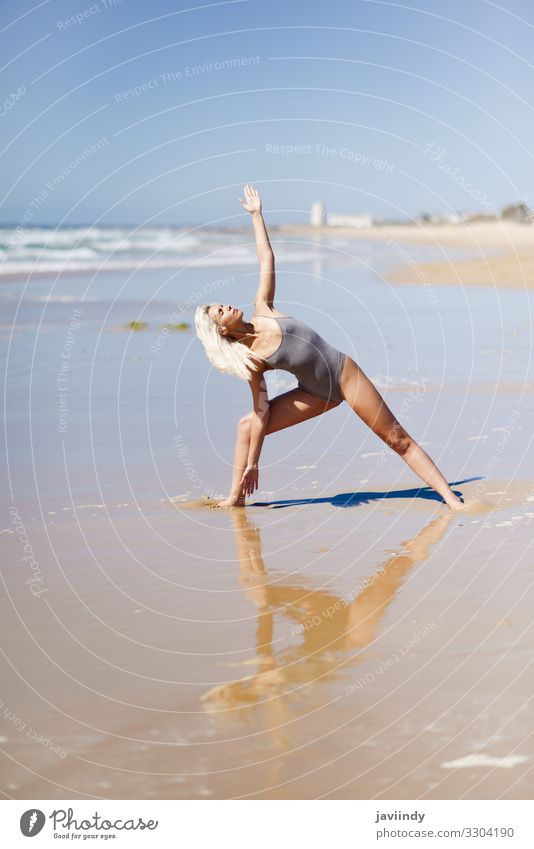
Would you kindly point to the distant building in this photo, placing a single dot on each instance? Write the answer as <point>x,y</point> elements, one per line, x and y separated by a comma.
<point>349,221</point>
<point>440,218</point>
<point>519,212</point>
<point>317,214</point>
<point>473,217</point>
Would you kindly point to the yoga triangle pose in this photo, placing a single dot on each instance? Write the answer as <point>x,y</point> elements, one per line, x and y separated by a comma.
<point>326,376</point>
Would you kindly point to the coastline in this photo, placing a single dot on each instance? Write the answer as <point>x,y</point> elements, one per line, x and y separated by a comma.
<point>502,253</point>
<point>512,267</point>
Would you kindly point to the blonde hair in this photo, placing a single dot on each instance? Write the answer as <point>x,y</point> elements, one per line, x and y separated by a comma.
<point>226,354</point>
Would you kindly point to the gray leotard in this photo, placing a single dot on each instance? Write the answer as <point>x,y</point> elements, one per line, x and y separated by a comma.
<point>315,363</point>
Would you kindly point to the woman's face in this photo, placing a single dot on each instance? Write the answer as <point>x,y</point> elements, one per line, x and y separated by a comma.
<point>227,316</point>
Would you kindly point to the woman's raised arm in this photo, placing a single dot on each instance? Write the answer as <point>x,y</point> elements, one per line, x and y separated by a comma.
<point>266,287</point>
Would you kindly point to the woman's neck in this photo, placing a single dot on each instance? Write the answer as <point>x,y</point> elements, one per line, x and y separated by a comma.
<point>245,334</point>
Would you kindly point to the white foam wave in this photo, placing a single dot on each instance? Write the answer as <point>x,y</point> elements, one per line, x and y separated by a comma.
<point>39,250</point>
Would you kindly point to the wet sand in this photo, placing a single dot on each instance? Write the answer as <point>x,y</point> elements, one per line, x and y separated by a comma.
<point>343,635</point>
<point>290,662</point>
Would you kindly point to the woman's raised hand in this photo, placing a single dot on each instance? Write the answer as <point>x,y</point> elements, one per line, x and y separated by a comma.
<point>253,200</point>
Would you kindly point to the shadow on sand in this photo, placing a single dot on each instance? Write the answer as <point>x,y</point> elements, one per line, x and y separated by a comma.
<point>353,499</point>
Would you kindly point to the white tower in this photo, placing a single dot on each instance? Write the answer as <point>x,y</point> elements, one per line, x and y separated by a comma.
<point>317,214</point>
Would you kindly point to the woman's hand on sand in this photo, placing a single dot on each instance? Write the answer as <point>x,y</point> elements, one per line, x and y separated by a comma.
<point>253,200</point>
<point>249,481</point>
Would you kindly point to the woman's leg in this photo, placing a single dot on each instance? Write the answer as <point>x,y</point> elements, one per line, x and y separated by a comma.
<point>367,402</point>
<point>286,410</point>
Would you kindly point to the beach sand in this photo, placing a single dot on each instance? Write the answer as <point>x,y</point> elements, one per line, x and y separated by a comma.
<point>342,636</point>
<point>503,252</point>
<point>290,662</point>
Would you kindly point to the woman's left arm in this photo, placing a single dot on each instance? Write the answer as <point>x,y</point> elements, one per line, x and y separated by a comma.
<point>260,422</point>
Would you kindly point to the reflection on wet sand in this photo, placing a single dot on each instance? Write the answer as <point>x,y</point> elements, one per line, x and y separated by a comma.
<point>331,632</point>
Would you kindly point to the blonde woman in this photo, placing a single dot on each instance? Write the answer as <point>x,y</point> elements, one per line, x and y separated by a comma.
<point>326,376</point>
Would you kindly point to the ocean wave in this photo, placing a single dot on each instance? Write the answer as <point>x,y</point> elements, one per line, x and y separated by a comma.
<point>38,250</point>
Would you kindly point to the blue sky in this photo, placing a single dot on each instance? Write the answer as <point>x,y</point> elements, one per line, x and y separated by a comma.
<point>371,107</point>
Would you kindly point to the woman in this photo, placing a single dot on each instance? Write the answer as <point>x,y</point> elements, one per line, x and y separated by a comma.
<point>326,376</point>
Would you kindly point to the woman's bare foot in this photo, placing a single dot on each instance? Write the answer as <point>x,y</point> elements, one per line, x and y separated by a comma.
<point>231,501</point>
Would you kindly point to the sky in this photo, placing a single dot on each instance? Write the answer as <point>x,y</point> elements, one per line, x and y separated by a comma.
<point>157,113</point>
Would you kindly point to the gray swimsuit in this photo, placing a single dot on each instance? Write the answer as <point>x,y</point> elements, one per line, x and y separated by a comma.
<point>315,363</point>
